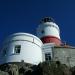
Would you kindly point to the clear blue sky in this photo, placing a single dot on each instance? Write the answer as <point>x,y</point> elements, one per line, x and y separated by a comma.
<point>24,16</point>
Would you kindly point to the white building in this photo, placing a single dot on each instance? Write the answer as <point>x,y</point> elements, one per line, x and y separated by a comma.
<point>30,49</point>
<point>21,46</point>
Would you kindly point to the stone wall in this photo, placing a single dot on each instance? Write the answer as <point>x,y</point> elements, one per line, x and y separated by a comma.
<point>64,55</point>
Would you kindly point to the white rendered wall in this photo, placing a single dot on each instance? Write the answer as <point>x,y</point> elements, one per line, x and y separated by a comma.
<point>30,49</point>
<point>47,48</point>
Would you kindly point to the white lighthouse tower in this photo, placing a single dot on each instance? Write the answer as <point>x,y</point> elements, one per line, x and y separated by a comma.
<point>48,31</point>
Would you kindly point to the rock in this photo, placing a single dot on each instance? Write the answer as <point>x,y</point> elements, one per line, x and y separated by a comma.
<point>45,68</point>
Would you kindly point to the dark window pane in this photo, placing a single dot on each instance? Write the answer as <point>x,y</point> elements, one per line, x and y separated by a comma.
<point>4,53</point>
<point>47,56</point>
<point>17,48</point>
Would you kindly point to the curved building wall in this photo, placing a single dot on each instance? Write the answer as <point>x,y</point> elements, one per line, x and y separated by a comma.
<point>49,32</point>
<point>51,39</point>
<point>48,29</point>
<point>22,46</point>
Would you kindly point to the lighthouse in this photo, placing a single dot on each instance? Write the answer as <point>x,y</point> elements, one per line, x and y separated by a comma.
<point>48,31</point>
<point>30,49</point>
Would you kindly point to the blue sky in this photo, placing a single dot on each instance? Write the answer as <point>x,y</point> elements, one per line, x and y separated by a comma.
<point>24,16</point>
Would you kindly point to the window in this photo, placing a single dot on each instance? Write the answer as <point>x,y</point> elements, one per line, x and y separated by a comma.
<point>4,52</point>
<point>17,48</point>
<point>42,31</point>
<point>47,56</point>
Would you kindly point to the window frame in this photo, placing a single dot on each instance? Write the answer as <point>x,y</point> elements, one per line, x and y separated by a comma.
<point>4,52</point>
<point>48,56</point>
<point>17,49</point>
